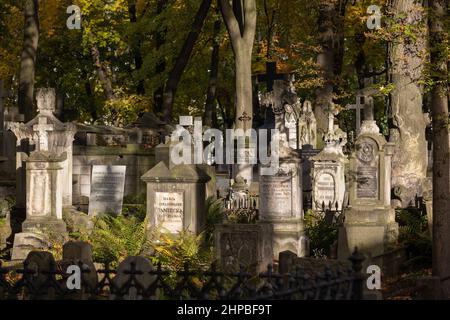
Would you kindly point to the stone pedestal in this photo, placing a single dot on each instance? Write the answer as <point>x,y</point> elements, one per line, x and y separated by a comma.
<point>44,204</point>
<point>369,219</point>
<point>176,198</point>
<point>281,205</point>
<point>249,245</point>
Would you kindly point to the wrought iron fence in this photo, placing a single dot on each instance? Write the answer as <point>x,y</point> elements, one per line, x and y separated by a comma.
<point>133,282</point>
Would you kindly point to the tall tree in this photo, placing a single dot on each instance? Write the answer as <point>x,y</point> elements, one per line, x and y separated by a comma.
<point>136,46</point>
<point>160,36</point>
<point>182,59</point>
<point>330,58</point>
<point>407,57</point>
<point>210,116</point>
<point>441,145</point>
<point>28,58</point>
<point>240,19</point>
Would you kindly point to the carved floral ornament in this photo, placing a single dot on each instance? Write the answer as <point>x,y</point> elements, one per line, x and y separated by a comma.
<point>367,150</point>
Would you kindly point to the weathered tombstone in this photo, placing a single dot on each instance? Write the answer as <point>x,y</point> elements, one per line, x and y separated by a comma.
<point>328,171</point>
<point>247,245</point>
<point>176,197</point>
<point>369,220</point>
<point>281,202</point>
<point>44,203</point>
<point>46,133</point>
<point>107,189</point>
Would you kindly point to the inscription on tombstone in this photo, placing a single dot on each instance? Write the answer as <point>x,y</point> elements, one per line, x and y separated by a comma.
<point>169,210</point>
<point>107,188</point>
<point>276,194</point>
<point>325,189</point>
<point>367,169</point>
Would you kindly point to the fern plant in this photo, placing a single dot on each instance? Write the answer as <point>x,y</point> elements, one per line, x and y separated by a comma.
<point>113,238</point>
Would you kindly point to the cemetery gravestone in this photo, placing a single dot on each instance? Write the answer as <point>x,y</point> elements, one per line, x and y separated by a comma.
<point>46,133</point>
<point>369,220</point>
<point>328,171</point>
<point>44,203</point>
<point>249,245</point>
<point>281,202</point>
<point>176,198</point>
<point>107,189</point>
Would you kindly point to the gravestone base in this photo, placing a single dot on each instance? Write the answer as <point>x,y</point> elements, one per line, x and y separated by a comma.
<point>371,231</point>
<point>249,245</point>
<point>288,235</point>
<point>25,242</point>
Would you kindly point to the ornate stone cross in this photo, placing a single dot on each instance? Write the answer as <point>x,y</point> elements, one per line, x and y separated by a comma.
<point>360,102</point>
<point>41,129</point>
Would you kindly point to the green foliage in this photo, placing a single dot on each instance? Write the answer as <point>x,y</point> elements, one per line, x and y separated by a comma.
<point>114,238</point>
<point>321,234</point>
<point>176,250</point>
<point>415,236</point>
<point>215,214</point>
<point>135,210</point>
<point>242,216</point>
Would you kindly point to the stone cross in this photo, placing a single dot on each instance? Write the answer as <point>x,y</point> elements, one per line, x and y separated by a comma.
<point>360,101</point>
<point>271,75</point>
<point>42,129</point>
<point>368,109</point>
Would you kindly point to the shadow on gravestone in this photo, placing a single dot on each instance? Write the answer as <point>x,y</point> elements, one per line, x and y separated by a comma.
<point>130,286</point>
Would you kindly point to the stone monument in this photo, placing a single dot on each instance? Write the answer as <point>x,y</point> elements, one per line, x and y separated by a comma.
<point>176,198</point>
<point>369,219</point>
<point>44,204</point>
<point>281,202</point>
<point>46,133</point>
<point>328,170</point>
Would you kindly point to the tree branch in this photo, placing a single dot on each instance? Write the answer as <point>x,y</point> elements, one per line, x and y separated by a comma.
<point>230,20</point>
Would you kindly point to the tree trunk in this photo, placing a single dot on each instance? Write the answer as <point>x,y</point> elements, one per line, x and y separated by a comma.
<point>330,58</point>
<point>182,60</point>
<point>241,26</point>
<point>210,117</point>
<point>441,149</point>
<point>136,48</point>
<point>28,59</point>
<point>407,63</point>
<point>102,73</point>
<point>160,37</point>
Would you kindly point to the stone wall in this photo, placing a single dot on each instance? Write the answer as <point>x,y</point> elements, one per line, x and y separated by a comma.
<point>137,160</point>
